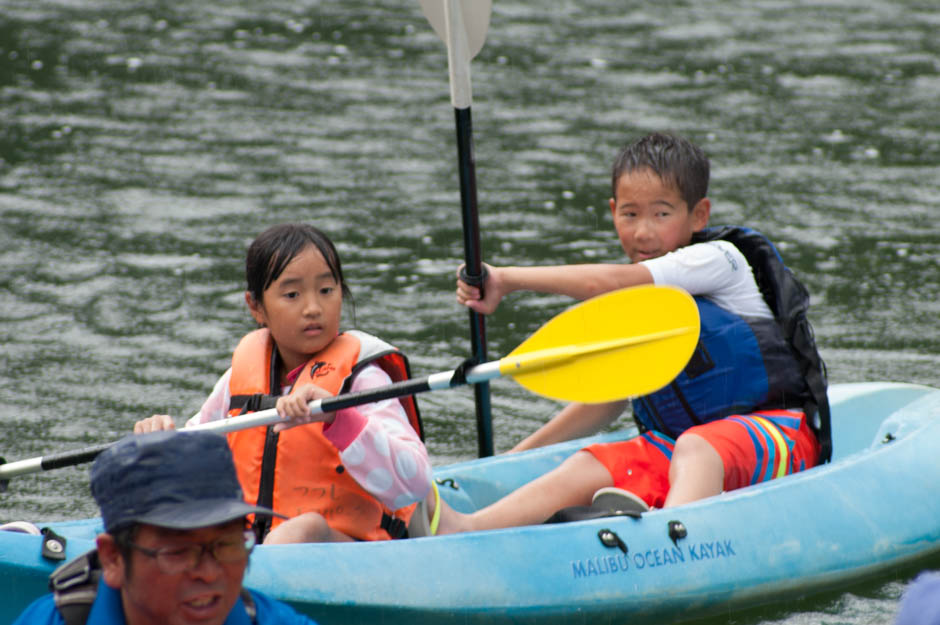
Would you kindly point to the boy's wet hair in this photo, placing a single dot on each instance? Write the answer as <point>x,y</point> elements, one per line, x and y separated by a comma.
<point>274,248</point>
<point>675,160</point>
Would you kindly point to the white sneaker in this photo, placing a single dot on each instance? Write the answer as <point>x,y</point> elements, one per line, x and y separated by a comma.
<point>618,500</point>
<point>24,527</point>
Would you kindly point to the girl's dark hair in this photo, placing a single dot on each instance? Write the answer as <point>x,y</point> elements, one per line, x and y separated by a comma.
<point>675,160</point>
<point>274,248</point>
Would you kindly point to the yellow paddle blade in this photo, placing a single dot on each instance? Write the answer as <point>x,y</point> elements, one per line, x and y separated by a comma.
<point>625,343</point>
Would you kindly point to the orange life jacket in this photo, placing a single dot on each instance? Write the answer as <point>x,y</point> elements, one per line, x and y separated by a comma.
<point>299,470</point>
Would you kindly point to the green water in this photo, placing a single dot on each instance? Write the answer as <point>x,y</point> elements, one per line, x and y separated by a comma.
<point>144,144</point>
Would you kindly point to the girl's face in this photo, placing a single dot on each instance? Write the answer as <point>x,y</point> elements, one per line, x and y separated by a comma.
<point>651,218</point>
<point>302,308</point>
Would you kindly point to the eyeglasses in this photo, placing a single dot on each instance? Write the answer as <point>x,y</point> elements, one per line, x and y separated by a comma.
<point>226,550</point>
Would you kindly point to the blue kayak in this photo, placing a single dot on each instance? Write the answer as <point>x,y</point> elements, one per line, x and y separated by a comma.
<point>872,509</point>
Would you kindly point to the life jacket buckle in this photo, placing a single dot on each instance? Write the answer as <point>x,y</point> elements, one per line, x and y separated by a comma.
<point>71,574</point>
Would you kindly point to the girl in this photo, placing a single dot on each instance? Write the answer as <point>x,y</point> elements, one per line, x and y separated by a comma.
<point>355,474</point>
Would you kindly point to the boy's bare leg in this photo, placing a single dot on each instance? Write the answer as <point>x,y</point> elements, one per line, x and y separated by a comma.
<point>572,483</point>
<point>695,472</point>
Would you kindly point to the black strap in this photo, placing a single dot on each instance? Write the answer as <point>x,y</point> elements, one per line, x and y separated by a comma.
<point>252,403</point>
<point>816,377</point>
<point>250,608</point>
<point>585,513</point>
<point>262,523</point>
<point>74,586</point>
<point>395,527</point>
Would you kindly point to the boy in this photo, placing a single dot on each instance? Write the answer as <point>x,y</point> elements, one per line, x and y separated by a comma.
<point>700,435</point>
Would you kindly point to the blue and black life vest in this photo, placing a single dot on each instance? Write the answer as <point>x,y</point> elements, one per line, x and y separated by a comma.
<point>745,364</point>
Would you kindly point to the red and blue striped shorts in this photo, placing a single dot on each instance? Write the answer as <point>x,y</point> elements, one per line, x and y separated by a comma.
<point>754,448</point>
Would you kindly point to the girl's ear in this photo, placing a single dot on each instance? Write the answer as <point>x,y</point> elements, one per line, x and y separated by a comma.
<point>256,309</point>
<point>700,214</point>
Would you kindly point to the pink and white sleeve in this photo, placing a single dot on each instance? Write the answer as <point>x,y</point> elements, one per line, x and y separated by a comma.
<point>379,447</point>
<point>216,405</point>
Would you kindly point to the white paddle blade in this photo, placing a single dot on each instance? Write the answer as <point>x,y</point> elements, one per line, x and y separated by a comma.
<point>476,20</point>
<point>462,25</point>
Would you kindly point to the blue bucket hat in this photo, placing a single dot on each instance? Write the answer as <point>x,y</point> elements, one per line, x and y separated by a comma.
<point>178,480</point>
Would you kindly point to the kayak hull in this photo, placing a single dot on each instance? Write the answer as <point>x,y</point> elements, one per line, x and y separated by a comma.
<point>868,511</point>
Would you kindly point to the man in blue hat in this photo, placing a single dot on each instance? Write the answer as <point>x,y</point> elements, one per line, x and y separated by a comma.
<point>176,542</point>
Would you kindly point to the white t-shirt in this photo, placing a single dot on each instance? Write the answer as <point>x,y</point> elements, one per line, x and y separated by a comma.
<point>716,270</point>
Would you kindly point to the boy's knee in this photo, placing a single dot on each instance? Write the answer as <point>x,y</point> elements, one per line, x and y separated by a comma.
<point>691,449</point>
<point>696,471</point>
<point>692,445</point>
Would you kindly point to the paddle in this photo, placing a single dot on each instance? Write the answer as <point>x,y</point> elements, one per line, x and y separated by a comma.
<point>462,25</point>
<point>622,344</point>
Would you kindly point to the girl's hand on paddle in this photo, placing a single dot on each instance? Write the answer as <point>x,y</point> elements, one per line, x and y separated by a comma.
<point>154,424</point>
<point>469,296</point>
<point>294,407</point>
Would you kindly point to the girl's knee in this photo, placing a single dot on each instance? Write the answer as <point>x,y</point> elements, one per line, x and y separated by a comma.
<point>309,527</point>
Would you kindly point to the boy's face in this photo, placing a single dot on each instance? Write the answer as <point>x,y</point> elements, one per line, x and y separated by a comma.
<point>651,218</point>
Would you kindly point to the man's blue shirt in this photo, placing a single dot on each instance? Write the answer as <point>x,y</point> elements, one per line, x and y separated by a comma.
<point>107,610</point>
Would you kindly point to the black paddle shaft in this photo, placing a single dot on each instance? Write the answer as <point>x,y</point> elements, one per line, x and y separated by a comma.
<point>474,270</point>
<point>71,458</point>
<point>62,459</point>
